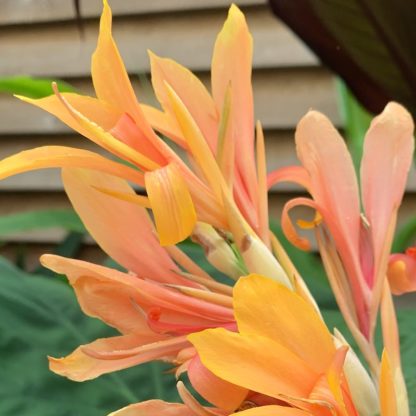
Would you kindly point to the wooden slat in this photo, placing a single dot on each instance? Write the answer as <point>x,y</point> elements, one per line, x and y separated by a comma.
<point>58,50</point>
<point>281,98</point>
<point>39,11</point>
<point>19,202</point>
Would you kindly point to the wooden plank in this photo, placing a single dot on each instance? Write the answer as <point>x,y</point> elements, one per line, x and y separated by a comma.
<point>281,98</point>
<point>41,11</point>
<point>58,50</point>
<point>18,202</point>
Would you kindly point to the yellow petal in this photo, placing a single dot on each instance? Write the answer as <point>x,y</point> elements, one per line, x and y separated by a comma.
<point>61,156</point>
<point>231,65</point>
<point>254,362</point>
<point>388,402</point>
<point>266,308</point>
<point>172,205</point>
<point>153,408</point>
<point>272,411</point>
<point>191,91</point>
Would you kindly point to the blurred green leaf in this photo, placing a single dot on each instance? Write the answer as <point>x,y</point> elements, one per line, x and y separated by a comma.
<point>66,219</point>
<point>40,317</point>
<point>405,236</point>
<point>32,87</point>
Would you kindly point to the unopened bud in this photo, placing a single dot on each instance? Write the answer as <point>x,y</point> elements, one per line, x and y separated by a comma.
<point>217,251</point>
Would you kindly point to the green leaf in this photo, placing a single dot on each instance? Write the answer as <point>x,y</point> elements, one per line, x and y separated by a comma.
<point>66,219</point>
<point>32,87</point>
<point>40,317</point>
<point>405,237</point>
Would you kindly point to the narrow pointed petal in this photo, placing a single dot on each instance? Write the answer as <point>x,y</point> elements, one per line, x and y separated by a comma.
<point>401,273</point>
<point>221,394</point>
<point>269,367</point>
<point>89,361</point>
<point>191,91</point>
<point>123,230</point>
<point>62,157</point>
<point>155,407</point>
<point>259,305</point>
<point>231,65</point>
<point>171,203</point>
<point>387,157</point>
<point>110,79</point>
<point>388,402</point>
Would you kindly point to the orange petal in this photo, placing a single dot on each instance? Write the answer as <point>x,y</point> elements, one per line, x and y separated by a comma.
<point>266,308</point>
<point>388,401</point>
<point>401,273</point>
<point>81,366</point>
<point>272,411</point>
<point>111,82</point>
<point>60,157</point>
<point>231,65</point>
<point>153,408</point>
<point>221,394</point>
<point>122,229</point>
<point>171,203</point>
<point>191,91</point>
<point>254,362</point>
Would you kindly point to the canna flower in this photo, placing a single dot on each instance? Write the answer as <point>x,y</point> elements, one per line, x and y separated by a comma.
<point>401,271</point>
<point>354,243</point>
<point>283,350</point>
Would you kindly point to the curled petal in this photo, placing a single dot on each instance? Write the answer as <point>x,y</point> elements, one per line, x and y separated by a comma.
<point>295,174</point>
<point>153,408</point>
<point>171,203</point>
<point>287,225</point>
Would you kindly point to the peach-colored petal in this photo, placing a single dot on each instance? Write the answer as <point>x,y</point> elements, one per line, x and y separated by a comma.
<point>387,157</point>
<point>296,174</point>
<point>401,273</point>
<point>231,65</point>
<point>60,157</point>
<point>191,91</point>
<point>89,361</point>
<point>220,393</point>
<point>272,411</point>
<point>269,367</point>
<point>124,301</point>
<point>172,205</point>
<point>267,308</point>
<point>122,229</point>
<point>154,408</point>
<point>388,401</point>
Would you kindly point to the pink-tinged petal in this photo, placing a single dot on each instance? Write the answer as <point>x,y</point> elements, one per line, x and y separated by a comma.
<point>62,157</point>
<point>325,156</point>
<point>164,123</point>
<point>92,360</point>
<point>125,301</point>
<point>388,154</point>
<point>122,229</point>
<point>154,408</point>
<point>269,367</point>
<point>295,174</point>
<point>172,205</point>
<point>231,65</point>
<point>272,411</point>
<point>190,90</point>
<point>128,132</point>
<point>401,272</point>
<point>267,308</point>
<point>220,393</point>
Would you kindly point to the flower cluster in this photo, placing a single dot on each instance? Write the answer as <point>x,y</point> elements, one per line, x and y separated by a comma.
<point>260,347</point>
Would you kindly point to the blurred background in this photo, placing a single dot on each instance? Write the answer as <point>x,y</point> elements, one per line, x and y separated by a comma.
<point>54,39</point>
